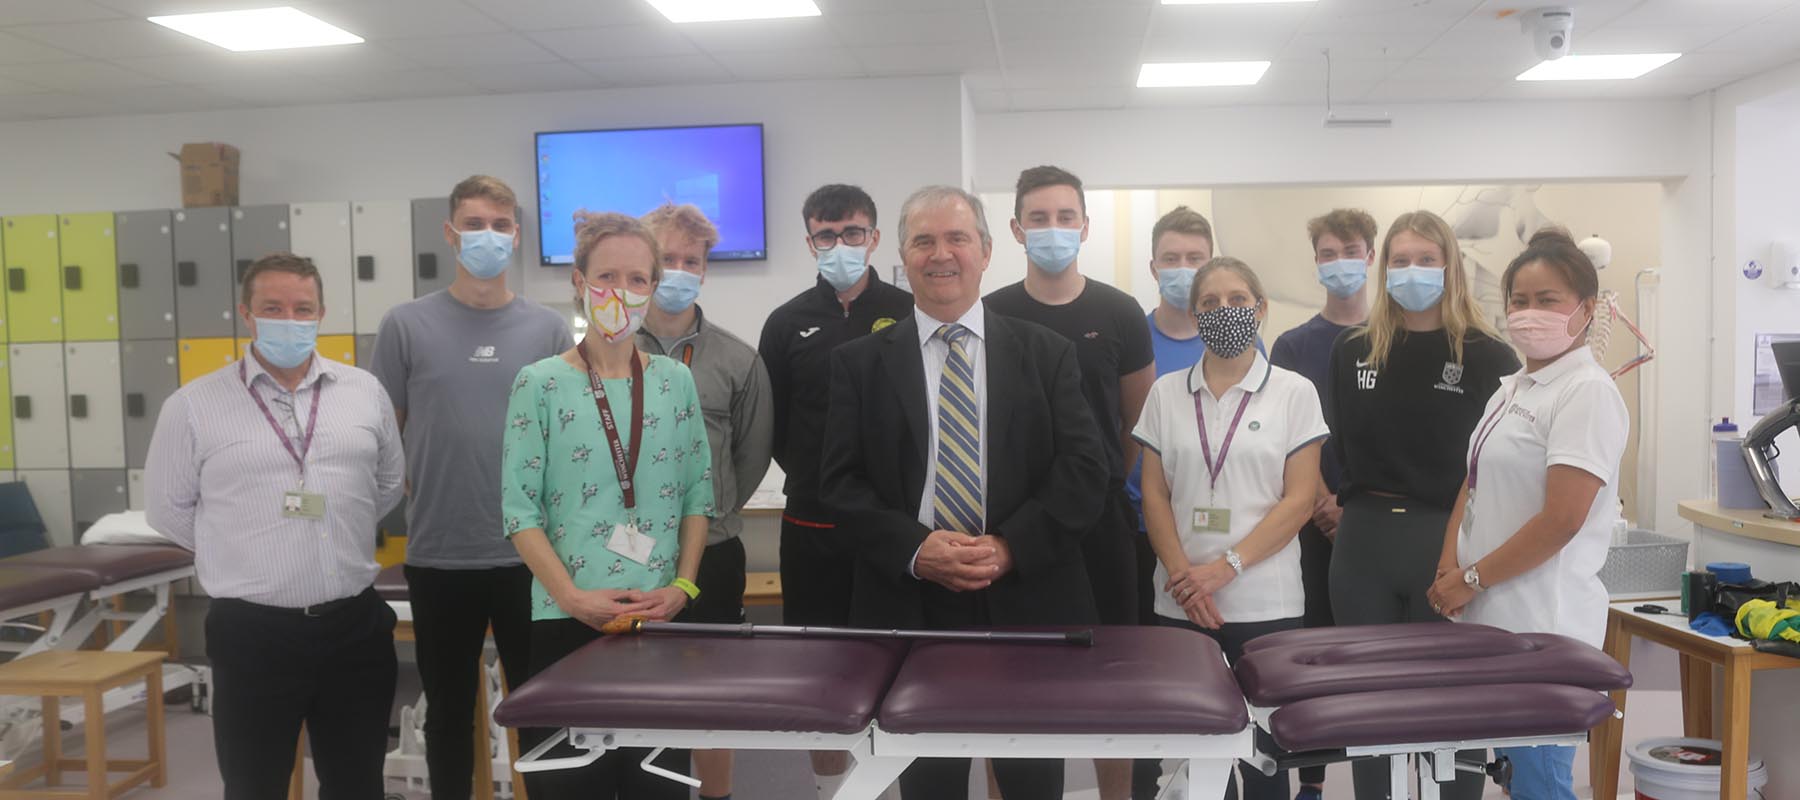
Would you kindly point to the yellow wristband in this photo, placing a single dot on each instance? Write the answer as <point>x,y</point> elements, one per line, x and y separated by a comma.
<point>686,586</point>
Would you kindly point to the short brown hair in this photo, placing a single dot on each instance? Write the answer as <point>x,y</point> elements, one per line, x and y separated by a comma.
<point>1226,264</point>
<point>592,228</point>
<point>1554,246</point>
<point>283,262</point>
<point>1347,224</point>
<point>1037,178</point>
<point>486,186</point>
<point>1181,220</point>
<point>686,219</point>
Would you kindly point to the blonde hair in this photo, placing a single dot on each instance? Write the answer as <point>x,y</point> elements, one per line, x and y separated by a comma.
<point>686,219</point>
<point>485,186</point>
<point>1461,314</point>
<point>592,228</point>
<point>1225,264</point>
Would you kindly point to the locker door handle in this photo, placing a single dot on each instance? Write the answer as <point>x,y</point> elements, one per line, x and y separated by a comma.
<point>243,265</point>
<point>15,279</point>
<point>134,404</point>
<point>365,268</point>
<point>72,278</point>
<point>128,276</point>
<point>78,406</point>
<point>21,406</point>
<point>428,266</point>
<point>187,273</point>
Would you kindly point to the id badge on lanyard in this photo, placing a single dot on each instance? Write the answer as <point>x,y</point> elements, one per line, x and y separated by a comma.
<point>1482,434</point>
<point>1209,519</point>
<point>626,539</point>
<point>297,503</point>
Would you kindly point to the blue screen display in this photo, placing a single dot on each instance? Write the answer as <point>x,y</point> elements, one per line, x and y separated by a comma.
<point>717,168</point>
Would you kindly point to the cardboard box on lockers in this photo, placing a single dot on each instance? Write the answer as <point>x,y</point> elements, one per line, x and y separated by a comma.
<point>209,174</point>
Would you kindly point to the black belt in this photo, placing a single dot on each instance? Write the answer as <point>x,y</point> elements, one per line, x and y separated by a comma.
<point>315,610</point>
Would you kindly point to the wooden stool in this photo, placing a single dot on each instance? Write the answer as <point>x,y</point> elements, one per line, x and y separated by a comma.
<point>86,674</point>
<point>762,589</point>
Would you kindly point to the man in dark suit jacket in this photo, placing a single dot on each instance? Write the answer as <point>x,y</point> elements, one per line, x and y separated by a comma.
<point>969,520</point>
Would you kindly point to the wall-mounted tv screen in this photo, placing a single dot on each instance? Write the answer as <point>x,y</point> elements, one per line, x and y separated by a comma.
<point>718,168</point>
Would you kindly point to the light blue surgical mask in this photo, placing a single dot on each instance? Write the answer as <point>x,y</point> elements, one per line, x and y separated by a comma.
<point>485,254</point>
<point>843,265</point>
<point>1175,284</point>
<point>677,291</point>
<point>1052,249</point>
<point>1344,277</point>
<point>286,342</point>
<point>1416,288</point>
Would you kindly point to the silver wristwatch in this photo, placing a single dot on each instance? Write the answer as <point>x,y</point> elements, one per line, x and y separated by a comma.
<point>1472,579</point>
<point>1236,561</point>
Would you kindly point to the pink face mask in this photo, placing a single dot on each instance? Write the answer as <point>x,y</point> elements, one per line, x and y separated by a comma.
<point>1541,334</point>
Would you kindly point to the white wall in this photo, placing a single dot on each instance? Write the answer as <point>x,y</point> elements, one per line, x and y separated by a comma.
<point>901,134</point>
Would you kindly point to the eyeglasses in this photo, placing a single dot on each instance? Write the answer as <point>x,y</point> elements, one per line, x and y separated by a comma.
<point>853,236</point>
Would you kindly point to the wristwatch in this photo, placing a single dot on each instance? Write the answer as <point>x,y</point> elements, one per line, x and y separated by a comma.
<point>1236,561</point>
<point>1472,579</point>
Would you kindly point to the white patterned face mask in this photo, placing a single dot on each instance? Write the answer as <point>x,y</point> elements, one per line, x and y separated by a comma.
<point>1228,330</point>
<point>616,313</point>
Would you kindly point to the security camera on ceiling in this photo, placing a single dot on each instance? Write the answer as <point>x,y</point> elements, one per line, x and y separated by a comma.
<point>1551,28</point>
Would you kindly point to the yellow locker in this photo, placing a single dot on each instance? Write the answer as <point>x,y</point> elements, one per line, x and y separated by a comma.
<point>341,349</point>
<point>201,356</point>
<point>33,289</point>
<point>90,278</point>
<point>6,412</point>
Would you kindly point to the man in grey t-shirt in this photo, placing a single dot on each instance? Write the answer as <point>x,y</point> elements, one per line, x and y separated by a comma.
<point>448,360</point>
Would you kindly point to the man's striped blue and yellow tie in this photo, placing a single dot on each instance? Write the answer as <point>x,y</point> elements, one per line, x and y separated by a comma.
<point>957,506</point>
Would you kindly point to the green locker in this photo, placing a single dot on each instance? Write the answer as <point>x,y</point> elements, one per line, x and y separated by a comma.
<point>6,434</point>
<point>90,278</point>
<point>33,290</point>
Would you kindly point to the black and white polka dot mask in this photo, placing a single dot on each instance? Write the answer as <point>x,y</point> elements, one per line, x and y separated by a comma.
<point>1228,330</point>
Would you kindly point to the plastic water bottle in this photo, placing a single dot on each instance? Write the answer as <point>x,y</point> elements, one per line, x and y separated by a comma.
<point>1725,431</point>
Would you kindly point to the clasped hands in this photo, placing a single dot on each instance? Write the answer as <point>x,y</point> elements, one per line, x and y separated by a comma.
<point>960,562</point>
<point>1449,593</point>
<point>596,607</point>
<point>1193,588</point>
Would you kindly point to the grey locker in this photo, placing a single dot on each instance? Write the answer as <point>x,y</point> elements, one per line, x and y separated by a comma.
<point>134,488</point>
<point>321,232</point>
<point>434,260</point>
<point>151,373</point>
<point>146,274</point>
<point>40,420</point>
<point>93,494</point>
<point>50,493</point>
<point>365,350</point>
<point>256,231</point>
<point>205,303</point>
<point>96,406</point>
<point>381,239</point>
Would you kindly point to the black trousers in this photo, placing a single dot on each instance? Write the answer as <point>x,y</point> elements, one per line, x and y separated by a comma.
<point>1315,576</point>
<point>616,776</point>
<point>274,669</point>
<point>816,567</point>
<point>452,611</point>
<point>721,582</point>
<point>1231,638</point>
<point>1112,563</point>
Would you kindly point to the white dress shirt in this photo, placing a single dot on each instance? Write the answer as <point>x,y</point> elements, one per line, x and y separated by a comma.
<point>216,477</point>
<point>936,352</point>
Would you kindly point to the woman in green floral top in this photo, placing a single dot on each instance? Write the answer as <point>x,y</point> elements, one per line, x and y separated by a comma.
<point>609,514</point>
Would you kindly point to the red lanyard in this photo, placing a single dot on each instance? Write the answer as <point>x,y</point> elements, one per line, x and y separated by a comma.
<point>1486,430</point>
<point>1213,470</point>
<point>312,421</point>
<point>625,464</point>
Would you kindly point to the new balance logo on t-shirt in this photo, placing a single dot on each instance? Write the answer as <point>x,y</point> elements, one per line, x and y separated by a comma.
<point>484,355</point>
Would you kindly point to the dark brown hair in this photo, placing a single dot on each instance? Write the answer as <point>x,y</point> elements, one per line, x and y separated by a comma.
<point>1181,220</point>
<point>1347,224</point>
<point>483,186</point>
<point>1554,246</point>
<point>1037,178</point>
<point>283,262</point>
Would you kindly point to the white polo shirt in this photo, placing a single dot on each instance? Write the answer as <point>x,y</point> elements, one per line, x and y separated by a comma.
<point>1283,416</point>
<point>1569,412</point>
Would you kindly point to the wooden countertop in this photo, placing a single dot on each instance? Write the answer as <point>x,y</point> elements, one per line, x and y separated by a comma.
<point>1749,524</point>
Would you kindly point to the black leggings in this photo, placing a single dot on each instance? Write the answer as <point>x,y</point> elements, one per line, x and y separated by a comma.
<point>1384,559</point>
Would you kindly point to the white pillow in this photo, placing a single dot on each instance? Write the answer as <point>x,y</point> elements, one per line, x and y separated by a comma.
<point>125,527</point>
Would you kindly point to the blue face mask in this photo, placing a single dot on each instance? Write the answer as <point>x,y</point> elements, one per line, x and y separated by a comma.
<point>286,342</point>
<point>485,253</point>
<point>1345,276</point>
<point>1175,284</point>
<point>1052,249</point>
<point>843,265</point>
<point>1416,288</point>
<point>677,291</point>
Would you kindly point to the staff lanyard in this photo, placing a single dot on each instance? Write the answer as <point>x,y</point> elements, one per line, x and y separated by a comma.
<point>625,464</point>
<point>1486,430</point>
<point>1214,470</point>
<point>312,421</point>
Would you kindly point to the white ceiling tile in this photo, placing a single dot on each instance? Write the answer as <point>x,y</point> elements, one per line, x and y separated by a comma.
<point>152,8</point>
<point>51,106</point>
<point>792,65</point>
<point>1776,35</point>
<point>553,77</point>
<point>1040,22</point>
<point>78,76</point>
<point>1433,69</point>
<point>30,12</point>
<point>1681,13</point>
<point>990,100</point>
<point>10,86</point>
<point>14,50</point>
<point>783,35</point>
<point>413,83</point>
<point>913,27</point>
<point>401,19</point>
<point>1482,38</point>
<point>470,50</point>
<point>165,100</point>
<point>1067,53</point>
<point>1065,99</point>
<point>830,7</point>
<point>117,38</point>
<point>1665,39</point>
<point>624,41</point>
<point>658,71</point>
<point>550,15</point>
<point>984,79</point>
<point>1408,17</point>
<point>1072,76</point>
<point>1427,90</point>
<point>1342,70</point>
<point>289,91</point>
<point>1388,45</point>
<point>204,68</point>
<point>926,59</point>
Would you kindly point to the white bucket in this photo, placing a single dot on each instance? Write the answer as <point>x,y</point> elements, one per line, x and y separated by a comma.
<point>1686,769</point>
